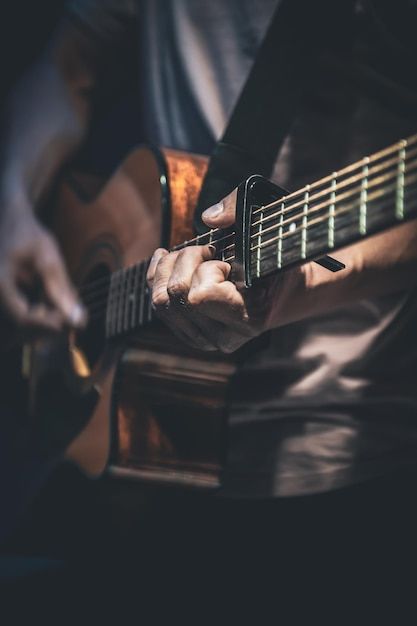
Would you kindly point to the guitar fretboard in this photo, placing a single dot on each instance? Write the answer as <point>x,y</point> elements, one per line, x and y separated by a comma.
<point>357,201</point>
<point>361,199</point>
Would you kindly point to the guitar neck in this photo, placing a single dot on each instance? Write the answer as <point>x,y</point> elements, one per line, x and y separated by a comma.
<point>373,194</point>
<point>362,199</point>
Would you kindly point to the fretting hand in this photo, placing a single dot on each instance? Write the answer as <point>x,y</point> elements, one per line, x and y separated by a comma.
<point>192,293</point>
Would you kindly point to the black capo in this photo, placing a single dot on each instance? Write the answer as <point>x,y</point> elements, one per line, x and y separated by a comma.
<point>255,192</point>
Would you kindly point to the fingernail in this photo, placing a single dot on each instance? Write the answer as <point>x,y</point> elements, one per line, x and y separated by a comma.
<point>77,315</point>
<point>212,249</point>
<point>214,210</point>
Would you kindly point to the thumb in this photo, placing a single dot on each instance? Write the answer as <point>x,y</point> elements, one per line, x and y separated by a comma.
<point>223,213</point>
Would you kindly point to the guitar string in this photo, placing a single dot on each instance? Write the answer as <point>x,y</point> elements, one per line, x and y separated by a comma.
<point>124,271</point>
<point>343,197</point>
<point>102,286</point>
<point>345,209</point>
<point>358,165</point>
<point>125,274</point>
<point>273,255</point>
<point>270,243</point>
<point>324,205</point>
<point>88,287</point>
<point>292,233</point>
<point>386,153</point>
<point>339,185</point>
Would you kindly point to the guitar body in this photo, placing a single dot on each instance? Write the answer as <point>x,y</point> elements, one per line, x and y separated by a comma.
<point>159,409</point>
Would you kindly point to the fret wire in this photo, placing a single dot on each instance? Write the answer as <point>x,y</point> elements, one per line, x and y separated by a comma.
<point>231,258</point>
<point>364,197</point>
<point>136,295</point>
<point>279,247</point>
<point>304,225</point>
<point>128,301</point>
<point>115,291</point>
<point>393,162</point>
<point>387,152</point>
<point>346,209</point>
<point>149,307</point>
<point>118,290</point>
<point>330,226</point>
<point>322,205</point>
<point>258,257</point>
<point>399,204</point>
<point>120,308</point>
<point>142,281</point>
<point>345,196</point>
<point>207,234</point>
<point>346,170</point>
<point>98,286</point>
<point>195,239</point>
<point>109,307</point>
<point>116,284</point>
<point>411,206</point>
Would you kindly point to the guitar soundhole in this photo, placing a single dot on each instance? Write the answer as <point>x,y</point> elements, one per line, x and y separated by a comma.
<point>89,343</point>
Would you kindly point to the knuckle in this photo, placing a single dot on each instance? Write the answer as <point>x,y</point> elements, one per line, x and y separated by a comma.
<point>203,271</point>
<point>49,258</point>
<point>164,259</point>
<point>195,297</point>
<point>49,264</point>
<point>176,288</point>
<point>157,256</point>
<point>160,298</point>
<point>181,253</point>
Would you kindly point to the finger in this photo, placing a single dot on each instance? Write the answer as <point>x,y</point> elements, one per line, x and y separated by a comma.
<point>223,213</point>
<point>213,295</point>
<point>13,301</point>
<point>33,318</point>
<point>58,287</point>
<point>187,261</point>
<point>199,329</point>
<point>157,255</point>
<point>171,312</point>
<point>164,265</point>
<point>41,318</point>
<point>169,309</point>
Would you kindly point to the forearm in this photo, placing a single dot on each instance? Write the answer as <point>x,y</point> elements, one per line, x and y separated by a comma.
<point>45,118</point>
<point>380,265</point>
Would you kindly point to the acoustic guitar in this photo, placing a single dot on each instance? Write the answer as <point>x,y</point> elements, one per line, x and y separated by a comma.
<point>150,408</point>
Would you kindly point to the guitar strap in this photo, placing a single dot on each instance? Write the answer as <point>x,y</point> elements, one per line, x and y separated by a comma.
<point>284,69</point>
